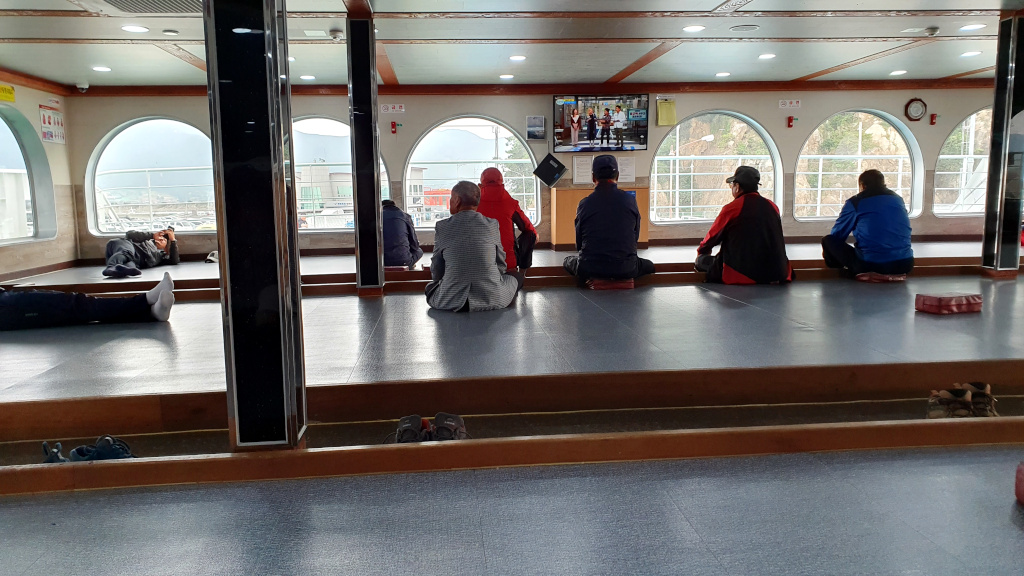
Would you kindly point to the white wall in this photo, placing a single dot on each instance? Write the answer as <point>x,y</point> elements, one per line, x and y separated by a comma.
<point>91,118</point>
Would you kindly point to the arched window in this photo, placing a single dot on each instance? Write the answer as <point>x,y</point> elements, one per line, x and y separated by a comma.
<point>17,211</point>
<point>461,149</point>
<point>838,151</point>
<point>323,174</point>
<point>961,174</point>
<point>693,161</point>
<point>151,174</point>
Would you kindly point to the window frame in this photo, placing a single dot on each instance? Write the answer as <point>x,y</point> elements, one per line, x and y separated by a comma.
<point>40,179</point>
<point>429,130</point>
<point>917,165</point>
<point>938,158</point>
<point>90,176</point>
<point>778,170</point>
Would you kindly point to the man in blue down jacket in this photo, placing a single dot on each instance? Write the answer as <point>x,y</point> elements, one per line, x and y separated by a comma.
<point>877,218</point>
<point>401,248</point>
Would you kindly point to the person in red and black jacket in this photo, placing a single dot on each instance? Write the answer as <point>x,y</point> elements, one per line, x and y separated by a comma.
<point>750,231</point>
<point>496,203</point>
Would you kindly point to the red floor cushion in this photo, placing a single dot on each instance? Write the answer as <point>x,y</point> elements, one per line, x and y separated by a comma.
<point>953,303</point>
<point>609,284</point>
<point>1020,483</point>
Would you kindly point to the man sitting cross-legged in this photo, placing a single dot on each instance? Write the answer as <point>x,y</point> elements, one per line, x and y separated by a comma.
<point>467,269</point>
<point>878,220</point>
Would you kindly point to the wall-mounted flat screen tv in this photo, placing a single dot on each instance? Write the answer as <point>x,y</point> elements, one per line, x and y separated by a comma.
<point>600,123</point>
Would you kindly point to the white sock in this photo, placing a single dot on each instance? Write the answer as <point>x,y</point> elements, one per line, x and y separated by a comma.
<point>165,285</point>
<point>162,307</point>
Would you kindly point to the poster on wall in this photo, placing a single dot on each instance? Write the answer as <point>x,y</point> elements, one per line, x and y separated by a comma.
<point>51,124</point>
<point>6,93</point>
<point>535,128</point>
<point>581,173</point>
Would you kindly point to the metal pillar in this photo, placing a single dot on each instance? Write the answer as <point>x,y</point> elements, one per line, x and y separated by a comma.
<point>1001,244</point>
<point>362,101</point>
<point>257,221</point>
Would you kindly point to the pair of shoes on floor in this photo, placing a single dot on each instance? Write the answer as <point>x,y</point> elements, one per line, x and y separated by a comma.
<point>105,448</point>
<point>876,278</point>
<point>444,427</point>
<point>121,271</point>
<point>963,401</point>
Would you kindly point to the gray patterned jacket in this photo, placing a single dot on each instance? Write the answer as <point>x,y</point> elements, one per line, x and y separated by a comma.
<point>469,265</point>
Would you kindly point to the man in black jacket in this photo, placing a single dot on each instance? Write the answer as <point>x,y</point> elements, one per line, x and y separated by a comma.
<point>607,229</point>
<point>137,250</point>
<point>401,247</point>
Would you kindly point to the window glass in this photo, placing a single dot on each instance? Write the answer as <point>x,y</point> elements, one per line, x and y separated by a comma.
<point>17,218</point>
<point>460,150</point>
<point>838,151</point>
<point>693,161</point>
<point>961,174</point>
<point>323,174</point>
<point>154,174</point>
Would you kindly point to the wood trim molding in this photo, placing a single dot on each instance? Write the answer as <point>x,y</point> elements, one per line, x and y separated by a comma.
<point>659,51</point>
<point>618,15</point>
<point>355,9</point>
<point>143,91</point>
<point>384,67</point>
<point>869,58</point>
<point>971,73</point>
<point>34,82</point>
<point>183,55</point>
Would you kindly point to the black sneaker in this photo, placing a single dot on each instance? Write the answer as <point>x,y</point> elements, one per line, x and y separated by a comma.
<point>412,429</point>
<point>449,427</point>
<point>105,448</point>
<point>53,456</point>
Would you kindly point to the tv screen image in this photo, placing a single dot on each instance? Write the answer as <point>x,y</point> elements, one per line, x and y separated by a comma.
<point>603,123</point>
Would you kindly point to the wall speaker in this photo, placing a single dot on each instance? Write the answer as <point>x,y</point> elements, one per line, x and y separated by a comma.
<point>549,170</point>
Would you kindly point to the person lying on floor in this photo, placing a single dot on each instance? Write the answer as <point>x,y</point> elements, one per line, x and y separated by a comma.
<point>750,231</point>
<point>138,250</point>
<point>607,229</point>
<point>878,220</point>
<point>468,270</point>
<point>48,309</point>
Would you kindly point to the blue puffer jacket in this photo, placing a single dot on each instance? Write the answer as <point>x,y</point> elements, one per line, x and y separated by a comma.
<point>878,220</point>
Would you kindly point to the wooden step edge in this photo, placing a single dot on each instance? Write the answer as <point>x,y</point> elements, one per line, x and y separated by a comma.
<point>509,452</point>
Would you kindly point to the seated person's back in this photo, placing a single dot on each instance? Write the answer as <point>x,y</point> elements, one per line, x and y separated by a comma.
<point>496,203</point>
<point>468,268</point>
<point>401,247</point>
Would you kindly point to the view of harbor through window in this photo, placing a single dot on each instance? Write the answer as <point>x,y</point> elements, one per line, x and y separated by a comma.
<point>838,151</point>
<point>961,175</point>
<point>16,213</point>
<point>460,150</point>
<point>692,163</point>
<point>158,173</point>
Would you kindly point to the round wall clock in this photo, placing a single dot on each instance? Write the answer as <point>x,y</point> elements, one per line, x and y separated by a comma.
<point>915,109</point>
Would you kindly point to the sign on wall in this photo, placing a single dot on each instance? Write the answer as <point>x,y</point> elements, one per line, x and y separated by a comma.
<point>51,124</point>
<point>392,108</point>
<point>6,93</point>
<point>789,103</point>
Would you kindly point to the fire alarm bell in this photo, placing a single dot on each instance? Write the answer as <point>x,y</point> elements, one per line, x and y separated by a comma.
<point>394,127</point>
<point>935,118</point>
<point>789,122</point>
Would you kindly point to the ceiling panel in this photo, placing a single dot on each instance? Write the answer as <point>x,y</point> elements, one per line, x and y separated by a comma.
<point>99,28</point>
<point>316,5</point>
<point>71,63</point>
<point>700,62</point>
<point>842,5</point>
<point>37,5</point>
<point>935,60</point>
<point>540,5</point>
<point>545,63</point>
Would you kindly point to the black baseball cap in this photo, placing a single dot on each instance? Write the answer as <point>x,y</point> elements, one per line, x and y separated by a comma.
<point>746,176</point>
<point>605,166</point>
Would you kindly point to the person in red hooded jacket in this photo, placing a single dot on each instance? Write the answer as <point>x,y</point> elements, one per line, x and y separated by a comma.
<point>498,204</point>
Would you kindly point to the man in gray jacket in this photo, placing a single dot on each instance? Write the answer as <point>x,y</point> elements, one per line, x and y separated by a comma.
<point>137,250</point>
<point>467,270</point>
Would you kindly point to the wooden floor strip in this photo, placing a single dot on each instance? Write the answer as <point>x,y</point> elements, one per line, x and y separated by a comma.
<point>508,452</point>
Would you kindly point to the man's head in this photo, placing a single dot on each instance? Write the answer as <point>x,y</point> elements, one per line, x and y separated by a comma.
<point>161,239</point>
<point>465,196</point>
<point>618,108</point>
<point>606,111</point>
<point>491,176</point>
<point>605,168</point>
<point>745,179</point>
<point>871,179</point>
<point>387,203</point>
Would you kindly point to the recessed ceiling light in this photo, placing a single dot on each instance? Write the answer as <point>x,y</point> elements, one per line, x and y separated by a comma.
<point>375,30</point>
<point>970,54</point>
<point>241,30</point>
<point>766,56</point>
<point>745,28</point>
<point>133,28</point>
<point>971,27</point>
<point>291,58</point>
<point>170,32</point>
<point>897,73</point>
<point>315,33</point>
<point>307,77</point>
<point>517,58</point>
<point>101,68</point>
<point>506,76</point>
<point>693,28</point>
<point>723,74</point>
